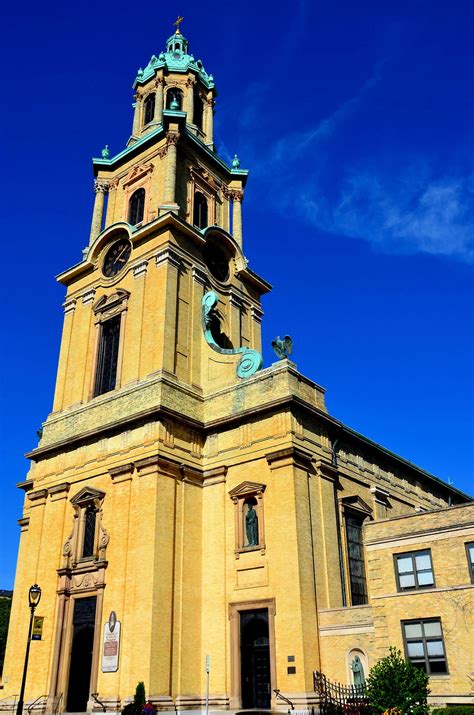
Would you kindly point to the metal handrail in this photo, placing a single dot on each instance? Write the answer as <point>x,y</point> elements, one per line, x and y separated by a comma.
<point>31,705</point>
<point>99,702</point>
<point>14,700</point>
<point>282,697</point>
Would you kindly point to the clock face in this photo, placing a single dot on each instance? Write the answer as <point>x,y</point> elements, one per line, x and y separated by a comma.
<point>116,257</point>
<point>217,262</point>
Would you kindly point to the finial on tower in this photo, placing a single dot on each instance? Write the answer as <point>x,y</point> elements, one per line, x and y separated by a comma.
<point>178,23</point>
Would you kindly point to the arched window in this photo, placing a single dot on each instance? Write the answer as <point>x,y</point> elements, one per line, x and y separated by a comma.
<point>136,207</point>
<point>200,210</point>
<point>198,109</point>
<point>174,97</point>
<point>149,109</point>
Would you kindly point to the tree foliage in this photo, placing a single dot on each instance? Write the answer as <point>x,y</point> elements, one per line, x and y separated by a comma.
<point>139,698</point>
<point>5,607</point>
<point>394,682</point>
<point>136,707</point>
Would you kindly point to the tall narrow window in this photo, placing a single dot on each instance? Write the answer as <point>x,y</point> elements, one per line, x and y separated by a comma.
<point>89,531</point>
<point>136,207</point>
<point>106,374</point>
<point>198,110</point>
<point>200,210</point>
<point>470,559</point>
<point>355,548</point>
<point>149,108</point>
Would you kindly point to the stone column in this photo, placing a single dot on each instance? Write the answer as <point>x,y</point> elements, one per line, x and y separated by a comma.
<point>100,189</point>
<point>159,99</point>
<point>136,115</point>
<point>169,197</point>
<point>209,119</point>
<point>237,198</point>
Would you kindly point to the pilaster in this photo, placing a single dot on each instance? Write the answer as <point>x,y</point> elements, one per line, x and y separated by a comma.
<point>169,191</point>
<point>168,263</point>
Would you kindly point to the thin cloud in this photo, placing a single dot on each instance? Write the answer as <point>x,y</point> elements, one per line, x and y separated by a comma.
<point>408,215</point>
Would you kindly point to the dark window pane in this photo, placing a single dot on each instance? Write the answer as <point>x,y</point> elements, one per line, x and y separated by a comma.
<point>89,532</point>
<point>356,560</point>
<point>200,210</point>
<point>136,207</point>
<point>198,110</point>
<point>149,109</point>
<point>108,356</point>
<point>438,666</point>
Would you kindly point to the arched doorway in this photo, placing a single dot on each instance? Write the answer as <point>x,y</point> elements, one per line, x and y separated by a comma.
<point>255,659</point>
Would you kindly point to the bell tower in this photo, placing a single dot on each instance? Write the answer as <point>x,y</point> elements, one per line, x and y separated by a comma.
<point>166,231</point>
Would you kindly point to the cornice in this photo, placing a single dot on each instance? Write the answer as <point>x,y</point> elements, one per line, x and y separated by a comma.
<point>126,154</point>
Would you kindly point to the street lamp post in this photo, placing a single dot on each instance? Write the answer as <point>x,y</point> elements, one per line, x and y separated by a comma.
<point>34,596</point>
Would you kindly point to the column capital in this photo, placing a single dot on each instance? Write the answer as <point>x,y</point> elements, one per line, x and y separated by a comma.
<point>256,314</point>
<point>199,275</point>
<point>69,306</point>
<point>101,186</point>
<point>237,195</point>
<point>140,269</point>
<point>172,138</point>
<point>88,296</point>
<point>168,255</point>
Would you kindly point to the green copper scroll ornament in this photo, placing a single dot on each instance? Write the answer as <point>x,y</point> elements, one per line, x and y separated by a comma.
<point>251,360</point>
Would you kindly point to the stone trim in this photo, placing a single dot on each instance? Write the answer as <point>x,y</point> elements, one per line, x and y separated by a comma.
<point>214,476</point>
<point>26,485</point>
<point>88,296</point>
<point>256,314</point>
<point>39,497</point>
<point>140,269</point>
<point>199,275</point>
<point>289,456</point>
<point>24,523</point>
<point>327,470</point>
<point>69,306</point>
<point>420,537</point>
<point>168,255</point>
<point>59,491</point>
<point>122,473</point>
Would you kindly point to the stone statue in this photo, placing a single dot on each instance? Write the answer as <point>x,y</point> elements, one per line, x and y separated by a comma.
<point>358,671</point>
<point>282,348</point>
<point>251,526</point>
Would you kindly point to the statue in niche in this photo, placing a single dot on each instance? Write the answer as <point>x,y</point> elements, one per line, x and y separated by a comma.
<point>251,525</point>
<point>357,671</point>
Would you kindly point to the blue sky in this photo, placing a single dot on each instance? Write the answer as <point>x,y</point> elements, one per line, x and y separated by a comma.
<point>355,120</point>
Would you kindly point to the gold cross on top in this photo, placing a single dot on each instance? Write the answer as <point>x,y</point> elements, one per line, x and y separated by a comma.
<point>178,23</point>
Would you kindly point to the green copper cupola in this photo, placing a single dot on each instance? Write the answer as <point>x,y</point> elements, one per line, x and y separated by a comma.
<point>177,45</point>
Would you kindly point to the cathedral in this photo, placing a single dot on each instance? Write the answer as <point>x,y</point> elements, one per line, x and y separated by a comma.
<point>196,520</point>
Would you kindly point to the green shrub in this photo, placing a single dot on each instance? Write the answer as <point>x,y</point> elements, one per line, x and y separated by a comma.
<point>136,707</point>
<point>394,682</point>
<point>454,710</point>
<point>139,698</point>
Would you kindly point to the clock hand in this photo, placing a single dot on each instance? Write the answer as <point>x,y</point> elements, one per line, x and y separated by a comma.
<point>121,253</point>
